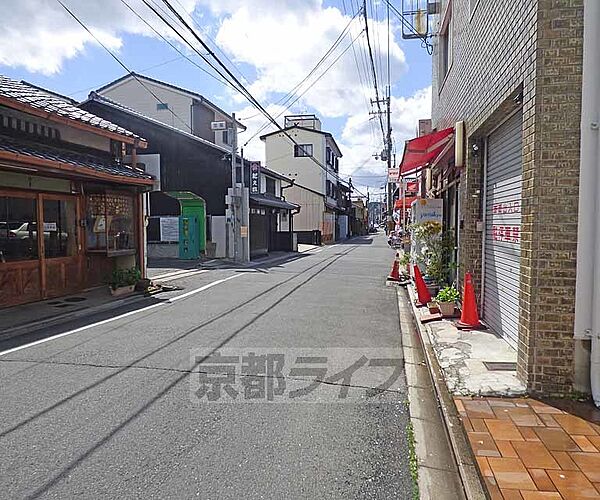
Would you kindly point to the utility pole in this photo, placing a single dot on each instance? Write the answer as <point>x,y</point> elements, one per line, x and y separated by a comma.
<point>245,215</point>
<point>389,153</point>
<point>234,197</point>
<point>369,215</point>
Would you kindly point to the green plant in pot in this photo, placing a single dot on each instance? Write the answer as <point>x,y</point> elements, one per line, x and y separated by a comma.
<point>124,280</point>
<point>446,299</point>
<point>437,260</point>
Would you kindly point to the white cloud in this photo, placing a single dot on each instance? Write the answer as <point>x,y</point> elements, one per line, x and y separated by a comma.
<point>283,40</point>
<point>357,142</point>
<point>40,35</point>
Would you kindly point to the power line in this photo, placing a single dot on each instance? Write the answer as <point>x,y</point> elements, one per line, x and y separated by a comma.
<point>299,96</point>
<point>361,81</point>
<point>240,86</point>
<point>119,61</point>
<point>373,67</point>
<point>154,66</point>
<point>207,35</point>
<point>173,46</point>
<point>335,44</point>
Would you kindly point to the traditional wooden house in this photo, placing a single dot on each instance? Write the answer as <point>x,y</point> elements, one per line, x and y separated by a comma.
<point>62,170</point>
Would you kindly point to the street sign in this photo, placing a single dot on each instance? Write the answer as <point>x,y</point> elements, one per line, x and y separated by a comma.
<point>393,174</point>
<point>222,125</point>
<point>244,231</point>
<point>254,177</point>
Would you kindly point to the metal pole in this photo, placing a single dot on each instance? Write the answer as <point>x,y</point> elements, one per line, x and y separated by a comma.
<point>403,189</point>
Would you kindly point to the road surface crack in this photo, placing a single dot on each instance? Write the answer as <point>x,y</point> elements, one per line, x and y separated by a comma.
<point>192,370</point>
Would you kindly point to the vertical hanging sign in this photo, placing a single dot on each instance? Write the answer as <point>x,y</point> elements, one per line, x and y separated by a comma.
<point>254,177</point>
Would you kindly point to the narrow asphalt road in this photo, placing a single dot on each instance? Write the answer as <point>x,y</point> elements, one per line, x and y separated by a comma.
<point>170,402</point>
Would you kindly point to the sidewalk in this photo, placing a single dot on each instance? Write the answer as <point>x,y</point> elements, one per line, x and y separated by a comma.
<point>23,318</point>
<point>522,448</point>
<point>531,450</point>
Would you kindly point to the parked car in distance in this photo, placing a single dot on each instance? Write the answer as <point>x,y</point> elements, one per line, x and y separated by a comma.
<point>23,231</point>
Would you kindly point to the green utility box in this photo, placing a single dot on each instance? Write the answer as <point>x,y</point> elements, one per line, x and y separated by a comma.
<point>189,248</point>
<point>194,206</point>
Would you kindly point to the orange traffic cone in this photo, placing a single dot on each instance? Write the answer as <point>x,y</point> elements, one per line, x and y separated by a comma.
<point>469,318</point>
<point>395,272</point>
<point>423,295</point>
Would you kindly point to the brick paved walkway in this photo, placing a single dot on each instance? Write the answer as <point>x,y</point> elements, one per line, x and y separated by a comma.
<point>528,450</point>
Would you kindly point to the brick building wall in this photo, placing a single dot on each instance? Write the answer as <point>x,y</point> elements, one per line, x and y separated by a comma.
<point>551,193</point>
<point>506,54</point>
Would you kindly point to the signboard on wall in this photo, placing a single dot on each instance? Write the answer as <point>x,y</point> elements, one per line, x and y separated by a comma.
<point>427,210</point>
<point>254,177</point>
<point>169,229</point>
<point>220,125</point>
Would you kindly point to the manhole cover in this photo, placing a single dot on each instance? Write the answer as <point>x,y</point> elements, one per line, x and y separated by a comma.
<point>500,366</point>
<point>75,299</point>
<point>53,303</point>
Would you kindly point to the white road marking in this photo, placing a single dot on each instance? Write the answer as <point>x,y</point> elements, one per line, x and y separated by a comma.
<point>202,288</point>
<point>173,273</point>
<point>120,316</point>
<point>180,276</point>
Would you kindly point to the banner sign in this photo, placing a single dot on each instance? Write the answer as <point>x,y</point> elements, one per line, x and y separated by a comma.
<point>254,177</point>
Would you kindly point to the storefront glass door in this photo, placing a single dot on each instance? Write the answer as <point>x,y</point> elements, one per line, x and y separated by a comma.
<point>61,263</point>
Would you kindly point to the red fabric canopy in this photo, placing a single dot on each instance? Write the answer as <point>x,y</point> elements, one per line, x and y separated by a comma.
<point>421,151</point>
<point>409,200</point>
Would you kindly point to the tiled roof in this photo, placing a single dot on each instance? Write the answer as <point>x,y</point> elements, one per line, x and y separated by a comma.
<point>53,103</point>
<point>44,152</point>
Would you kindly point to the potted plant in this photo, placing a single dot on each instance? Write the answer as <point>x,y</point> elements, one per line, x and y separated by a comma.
<point>446,300</point>
<point>433,307</point>
<point>405,261</point>
<point>123,281</point>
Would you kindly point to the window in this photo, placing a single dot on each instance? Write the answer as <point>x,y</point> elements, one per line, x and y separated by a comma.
<point>60,228</point>
<point>225,137</point>
<point>445,44</point>
<point>303,150</point>
<point>110,223</point>
<point>18,231</point>
<point>330,189</point>
<point>270,185</point>
<point>329,156</point>
<point>160,106</point>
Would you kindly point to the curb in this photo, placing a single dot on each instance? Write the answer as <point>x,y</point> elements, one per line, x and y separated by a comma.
<point>467,464</point>
<point>9,333</point>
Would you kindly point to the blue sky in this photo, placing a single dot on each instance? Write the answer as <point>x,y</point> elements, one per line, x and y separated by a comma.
<point>246,40</point>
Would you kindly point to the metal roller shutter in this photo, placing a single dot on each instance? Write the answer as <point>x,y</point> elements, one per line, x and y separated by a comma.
<point>503,229</point>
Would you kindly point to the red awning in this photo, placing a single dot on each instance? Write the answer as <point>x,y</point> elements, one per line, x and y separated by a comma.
<point>409,200</point>
<point>421,151</point>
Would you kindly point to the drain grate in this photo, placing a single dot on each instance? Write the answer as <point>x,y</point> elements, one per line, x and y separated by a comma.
<point>500,366</point>
<point>64,305</point>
